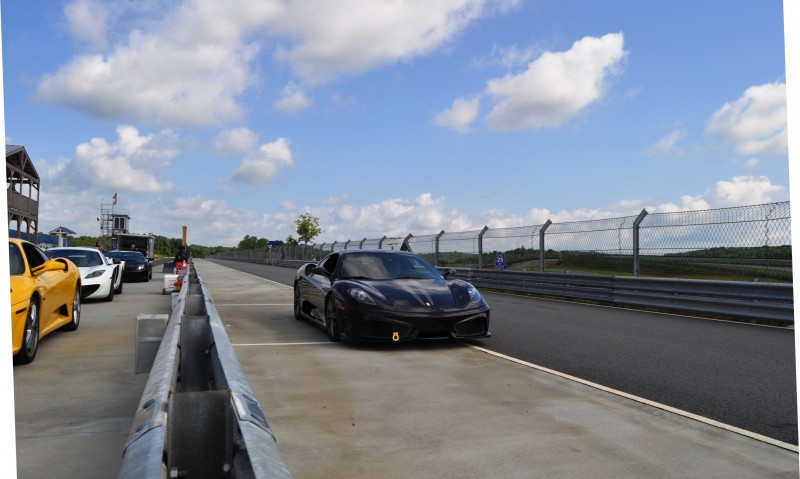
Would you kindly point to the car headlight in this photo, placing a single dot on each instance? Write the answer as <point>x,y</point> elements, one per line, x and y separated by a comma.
<point>95,274</point>
<point>474,295</point>
<point>140,267</point>
<point>360,295</point>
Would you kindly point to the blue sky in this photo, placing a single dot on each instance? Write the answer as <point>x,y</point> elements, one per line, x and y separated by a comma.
<point>389,118</point>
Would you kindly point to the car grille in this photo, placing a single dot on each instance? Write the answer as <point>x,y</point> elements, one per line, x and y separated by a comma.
<point>89,290</point>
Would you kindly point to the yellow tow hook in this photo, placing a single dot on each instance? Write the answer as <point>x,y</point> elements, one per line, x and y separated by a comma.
<point>395,336</point>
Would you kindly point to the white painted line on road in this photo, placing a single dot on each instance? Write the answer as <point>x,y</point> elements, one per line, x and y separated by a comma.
<point>259,277</point>
<point>642,400</point>
<point>282,344</point>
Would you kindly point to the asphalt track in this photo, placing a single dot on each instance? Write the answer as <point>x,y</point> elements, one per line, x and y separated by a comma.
<point>427,409</point>
<point>738,374</point>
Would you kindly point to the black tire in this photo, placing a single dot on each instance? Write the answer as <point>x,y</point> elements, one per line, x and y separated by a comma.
<point>110,296</point>
<point>332,321</point>
<point>76,311</point>
<point>298,314</point>
<point>121,282</point>
<point>30,336</point>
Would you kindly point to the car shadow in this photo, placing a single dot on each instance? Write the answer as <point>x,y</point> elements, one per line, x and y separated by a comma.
<point>438,344</point>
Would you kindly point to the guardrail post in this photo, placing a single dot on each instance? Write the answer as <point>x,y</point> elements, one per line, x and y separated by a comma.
<point>636,224</point>
<point>436,249</point>
<point>480,246</point>
<point>541,244</point>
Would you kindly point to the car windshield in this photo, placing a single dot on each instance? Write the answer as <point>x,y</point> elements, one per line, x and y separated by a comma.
<point>386,266</point>
<point>126,255</point>
<point>81,258</point>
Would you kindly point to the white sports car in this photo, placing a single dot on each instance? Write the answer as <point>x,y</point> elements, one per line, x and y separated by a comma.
<point>101,277</point>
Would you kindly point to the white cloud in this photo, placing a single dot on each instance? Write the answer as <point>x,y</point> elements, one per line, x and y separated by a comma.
<point>186,70</point>
<point>235,141</point>
<point>210,222</point>
<point>126,164</point>
<point>556,86</point>
<point>459,116</point>
<point>349,37</point>
<point>751,164</point>
<point>667,144</point>
<point>755,123</point>
<point>507,57</point>
<point>86,22</point>
<point>688,203</point>
<point>190,66</point>
<point>748,190</point>
<point>261,166</point>
<point>292,99</point>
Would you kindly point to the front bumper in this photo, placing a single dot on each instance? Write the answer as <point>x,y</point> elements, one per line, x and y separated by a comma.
<point>95,289</point>
<point>384,326</point>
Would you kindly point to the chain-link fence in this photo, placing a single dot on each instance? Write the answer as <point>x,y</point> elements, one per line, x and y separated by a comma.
<point>739,244</point>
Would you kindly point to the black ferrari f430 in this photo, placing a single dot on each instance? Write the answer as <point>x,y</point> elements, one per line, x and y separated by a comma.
<point>387,295</point>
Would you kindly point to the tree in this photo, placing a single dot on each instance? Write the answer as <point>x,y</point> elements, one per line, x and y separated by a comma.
<point>253,242</point>
<point>290,241</point>
<point>307,227</point>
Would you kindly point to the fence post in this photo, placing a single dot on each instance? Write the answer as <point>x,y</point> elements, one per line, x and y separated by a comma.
<point>636,223</point>
<point>480,246</point>
<point>361,245</point>
<point>380,243</point>
<point>436,249</point>
<point>346,244</point>
<point>541,244</point>
<point>404,246</point>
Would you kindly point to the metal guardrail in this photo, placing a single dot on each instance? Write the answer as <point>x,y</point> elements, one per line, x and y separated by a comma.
<point>734,299</point>
<point>730,299</point>
<point>198,416</point>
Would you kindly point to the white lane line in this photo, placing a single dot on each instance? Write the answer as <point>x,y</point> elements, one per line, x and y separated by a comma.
<point>251,274</point>
<point>282,344</point>
<point>642,400</point>
<point>253,304</point>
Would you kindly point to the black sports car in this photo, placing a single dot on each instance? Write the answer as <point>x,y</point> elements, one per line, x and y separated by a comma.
<point>387,295</point>
<point>136,265</point>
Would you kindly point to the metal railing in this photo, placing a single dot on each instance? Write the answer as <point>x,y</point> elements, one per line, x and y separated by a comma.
<point>770,302</point>
<point>198,416</point>
<point>734,244</point>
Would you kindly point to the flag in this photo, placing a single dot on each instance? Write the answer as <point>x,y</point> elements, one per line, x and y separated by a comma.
<point>115,199</point>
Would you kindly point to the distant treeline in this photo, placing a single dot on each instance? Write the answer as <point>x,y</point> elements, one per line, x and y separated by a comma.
<point>767,262</point>
<point>771,252</point>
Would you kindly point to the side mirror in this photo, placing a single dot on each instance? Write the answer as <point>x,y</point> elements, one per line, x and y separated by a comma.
<point>309,269</point>
<point>115,260</point>
<point>449,272</point>
<point>322,271</point>
<point>52,265</point>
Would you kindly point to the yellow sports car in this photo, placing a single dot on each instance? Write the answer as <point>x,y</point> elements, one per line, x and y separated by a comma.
<point>45,296</point>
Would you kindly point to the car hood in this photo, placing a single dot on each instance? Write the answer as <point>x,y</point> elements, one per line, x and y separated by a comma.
<point>411,293</point>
